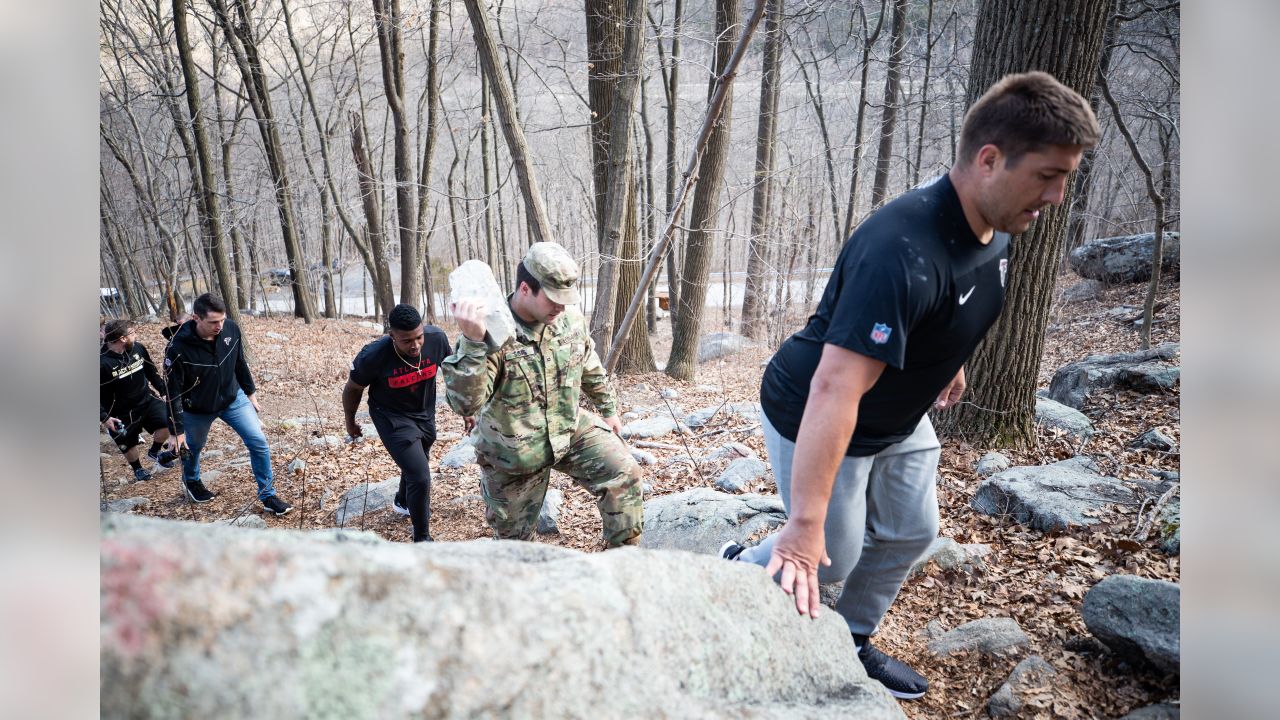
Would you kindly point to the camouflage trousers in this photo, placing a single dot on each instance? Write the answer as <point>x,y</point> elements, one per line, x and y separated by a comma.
<point>597,461</point>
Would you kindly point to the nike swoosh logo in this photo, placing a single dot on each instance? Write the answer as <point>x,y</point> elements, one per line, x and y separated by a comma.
<point>965,296</point>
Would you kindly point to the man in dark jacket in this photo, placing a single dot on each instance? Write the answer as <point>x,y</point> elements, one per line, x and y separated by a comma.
<point>208,378</point>
<point>126,406</point>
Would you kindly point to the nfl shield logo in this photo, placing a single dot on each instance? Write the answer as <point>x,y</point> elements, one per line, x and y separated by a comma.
<point>880,333</point>
<point>1004,270</point>
<point>226,340</point>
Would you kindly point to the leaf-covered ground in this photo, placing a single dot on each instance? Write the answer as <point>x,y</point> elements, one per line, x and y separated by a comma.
<point>1037,579</point>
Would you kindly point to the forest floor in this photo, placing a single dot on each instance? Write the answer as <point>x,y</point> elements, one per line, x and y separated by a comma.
<point>1036,578</point>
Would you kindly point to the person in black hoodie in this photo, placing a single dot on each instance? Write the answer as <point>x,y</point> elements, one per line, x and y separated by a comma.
<point>126,407</point>
<point>208,378</point>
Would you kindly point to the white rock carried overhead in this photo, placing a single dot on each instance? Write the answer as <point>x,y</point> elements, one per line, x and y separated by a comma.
<point>473,280</point>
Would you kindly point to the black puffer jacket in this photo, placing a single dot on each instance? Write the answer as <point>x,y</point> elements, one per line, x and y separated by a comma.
<point>203,375</point>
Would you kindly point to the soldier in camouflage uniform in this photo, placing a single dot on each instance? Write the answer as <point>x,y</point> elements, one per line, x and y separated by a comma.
<point>525,399</point>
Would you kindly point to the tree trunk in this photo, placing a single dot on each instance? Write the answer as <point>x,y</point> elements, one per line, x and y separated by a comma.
<point>672,90</point>
<point>210,215</point>
<point>706,201</point>
<point>387,20</point>
<point>615,75</point>
<point>636,355</point>
<point>373,216</point>
<point>244,47</point>
<point>892,81</point>
<point>1078,220</point>
<point>753,300</point>
<point>511,130</point>
<point>855,174</point>
<point>428,154</point>
<point>924,96</point>
<point>1066,41</point>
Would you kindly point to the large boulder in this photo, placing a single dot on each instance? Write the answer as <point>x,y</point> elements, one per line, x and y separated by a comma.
<point>1139,619</point>
<point>701,520</point>
<point>741,473</point>
<point>460,455</point>
<point>1141,371</point>
<point>718,345</point>
<point>1050,497</point>
<point>192,615</point>
<point>1054,414</point>
<point>1125,258</point>
<point>653,427</point>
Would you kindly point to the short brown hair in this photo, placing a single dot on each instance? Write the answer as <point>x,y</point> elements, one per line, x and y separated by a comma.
<point>207,303</point>
<point>116,329</point>
<point>1023,113</point>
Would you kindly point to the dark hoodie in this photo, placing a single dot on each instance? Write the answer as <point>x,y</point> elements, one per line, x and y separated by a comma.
<point>204,375</point>
<point>123,380</point>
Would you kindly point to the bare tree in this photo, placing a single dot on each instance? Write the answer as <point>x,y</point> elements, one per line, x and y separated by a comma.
<point>889,117</point>
<point>753,300</point>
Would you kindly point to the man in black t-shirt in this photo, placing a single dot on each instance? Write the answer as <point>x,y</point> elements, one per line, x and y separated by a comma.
<point>126,405</point>
<point>912,294</point>
<point>400,371</point>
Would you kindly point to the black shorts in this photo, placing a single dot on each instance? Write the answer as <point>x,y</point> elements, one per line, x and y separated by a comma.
<point>151,416</point>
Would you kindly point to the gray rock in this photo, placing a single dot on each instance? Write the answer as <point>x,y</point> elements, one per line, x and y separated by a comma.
<point>740,474</point>
<point>646,488</point>
<point>707,388</point>
<point>210,478</point>
<point>1056,415</point>
<point>1033,674</point>
<point>247,520</point>
<point>369,431</point>
<point>988,636</point>
<point>466,500</point>
<point>643,388</point>
<point>1074,382</point>
<point>1126,258</point>
<point>992,463</point>
<point>365,498</point>
<point>669,394</point>
<point>731,451</point>
<point>210,454</point>
<point>1083,291</point>
<point>747,411</point>
<point>325,441</point>
<point>1137,618</point>
<point>650,427</point>
<point>644,458</point>
<point>1050,497</point>
<point>1169,527</point>
<point>298,465</point>
<point>240,461</point>
<point>305,421</point>
<point>549,515</point>
<point>1161,711</point>
<point>480,629</point>
<point>632,415</point>
<point>473,280</point>
<point>276,336</point>
<point>1153,439</point>
<point>369,325</point>
<point>126,505</point>
<point>324,499</point>
<point>721,344</point>
<point>947,553</point>
<point>701,520</point>
<point>460,455</point>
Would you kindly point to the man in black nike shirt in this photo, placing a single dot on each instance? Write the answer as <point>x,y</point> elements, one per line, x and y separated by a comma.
<point>126,406</point>
<point>400,371</point>
<point>913,292</point>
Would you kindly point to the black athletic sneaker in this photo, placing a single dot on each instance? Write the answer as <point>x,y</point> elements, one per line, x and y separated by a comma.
<point>731,550</point>
<point>141,474</point>
<point>197,492</point>
<point>276,506</point>
<point>164,458</point>
<point>897,677</point>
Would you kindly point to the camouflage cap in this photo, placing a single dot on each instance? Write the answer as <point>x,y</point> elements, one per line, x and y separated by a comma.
<point>553,268</point>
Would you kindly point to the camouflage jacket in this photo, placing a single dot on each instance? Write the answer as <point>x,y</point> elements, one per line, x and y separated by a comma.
<point>525,395</point>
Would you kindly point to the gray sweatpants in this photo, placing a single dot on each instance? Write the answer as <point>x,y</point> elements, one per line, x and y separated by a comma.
<point>882,517</point>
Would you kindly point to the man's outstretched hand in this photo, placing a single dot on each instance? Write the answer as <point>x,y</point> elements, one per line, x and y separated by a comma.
<point>797,552</point>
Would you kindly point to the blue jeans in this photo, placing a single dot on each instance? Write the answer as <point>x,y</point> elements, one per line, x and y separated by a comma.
<point>242,418</point>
